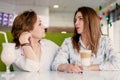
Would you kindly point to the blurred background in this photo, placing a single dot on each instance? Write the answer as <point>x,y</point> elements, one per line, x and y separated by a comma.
<point>57,16</point>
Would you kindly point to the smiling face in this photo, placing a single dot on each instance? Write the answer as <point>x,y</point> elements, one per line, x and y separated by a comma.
<point>79,23</point>
<point>39,30</point>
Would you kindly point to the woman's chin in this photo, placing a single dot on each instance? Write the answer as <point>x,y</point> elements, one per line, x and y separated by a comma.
<point>79,32</point>
<point>43,35</point>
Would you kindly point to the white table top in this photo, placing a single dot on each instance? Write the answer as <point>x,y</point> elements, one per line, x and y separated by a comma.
<point>52,75</point>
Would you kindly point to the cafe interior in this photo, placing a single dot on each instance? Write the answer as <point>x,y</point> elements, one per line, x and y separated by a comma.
<point>57,17</point>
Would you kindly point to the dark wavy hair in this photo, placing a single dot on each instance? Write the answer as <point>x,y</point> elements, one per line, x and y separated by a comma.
<point>23,22</point>
<point>91,28</point>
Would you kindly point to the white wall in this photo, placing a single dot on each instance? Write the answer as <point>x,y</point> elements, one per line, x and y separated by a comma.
<point>56,19</point>
<point>116,33</point>
<point>8,8</point>
<point>4,7</point>
<point>104,27</point>
<point>39,10</point>
<point>61,19</point>
<point>43,12</point>
<point>111,32</point>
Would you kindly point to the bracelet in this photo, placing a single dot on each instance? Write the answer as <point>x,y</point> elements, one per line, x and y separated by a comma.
<point>26,44</point>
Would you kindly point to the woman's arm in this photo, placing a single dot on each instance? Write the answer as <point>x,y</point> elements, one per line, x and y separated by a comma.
<point>61,60</point>
<point>94,67</point>
<point>112,58</point>
<point>26,37</point>
<point>70,68</point>
<point>26,60</point>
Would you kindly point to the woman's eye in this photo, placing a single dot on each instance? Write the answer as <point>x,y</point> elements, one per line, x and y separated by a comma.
<point>40,24</point>
<point>81,18</point>
<point>75,20</point>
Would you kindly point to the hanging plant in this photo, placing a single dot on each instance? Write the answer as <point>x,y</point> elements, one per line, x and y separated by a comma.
<point>101,25</point>
<point>110,24</point>
<point>117,5</point>
<point>100,8</point>
<point>107,17</point>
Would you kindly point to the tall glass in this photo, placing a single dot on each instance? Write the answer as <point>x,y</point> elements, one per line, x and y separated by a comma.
<point>85,58</point>
<point>8,55</point>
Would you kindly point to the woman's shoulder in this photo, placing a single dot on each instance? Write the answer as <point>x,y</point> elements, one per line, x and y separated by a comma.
<point>48,42</point>
<point>105,38</point>
<point>69,39</point>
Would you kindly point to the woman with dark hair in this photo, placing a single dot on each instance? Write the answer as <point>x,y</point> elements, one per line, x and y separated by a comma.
<point>33,52</point>
<point>87,36</point>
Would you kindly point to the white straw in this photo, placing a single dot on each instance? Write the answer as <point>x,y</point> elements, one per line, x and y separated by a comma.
<point>4,33</point>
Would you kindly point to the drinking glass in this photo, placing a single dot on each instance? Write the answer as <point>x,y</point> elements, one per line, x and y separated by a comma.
<point>85,56</point>
<point>8,56</point>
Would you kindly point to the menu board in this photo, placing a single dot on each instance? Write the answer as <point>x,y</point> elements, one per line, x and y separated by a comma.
<point>1,17</point>
<point>6,19</point>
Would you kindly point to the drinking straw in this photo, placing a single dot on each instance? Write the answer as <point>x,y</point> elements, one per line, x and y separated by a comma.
<point>4,33</point>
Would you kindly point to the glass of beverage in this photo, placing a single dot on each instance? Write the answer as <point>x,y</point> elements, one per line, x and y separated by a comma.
<point>8,55</point>
<point>85,56</point>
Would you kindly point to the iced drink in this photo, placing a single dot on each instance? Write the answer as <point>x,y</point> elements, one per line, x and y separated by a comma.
<point>85,57</point>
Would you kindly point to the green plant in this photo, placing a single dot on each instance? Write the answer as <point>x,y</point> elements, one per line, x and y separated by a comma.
<point>58,38</point>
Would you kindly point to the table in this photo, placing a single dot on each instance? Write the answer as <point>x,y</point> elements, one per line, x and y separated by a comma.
<point>54,75</point>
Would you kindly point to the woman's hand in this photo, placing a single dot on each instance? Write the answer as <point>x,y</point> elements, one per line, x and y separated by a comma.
<point>73,68</point>
<point>25,37</point>
<point>29,52</point>
<point>70,68</point>
<point>94,67</point>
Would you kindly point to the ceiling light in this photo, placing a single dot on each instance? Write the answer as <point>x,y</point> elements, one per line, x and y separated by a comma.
<point>63,32</point>
<point>56,6</point>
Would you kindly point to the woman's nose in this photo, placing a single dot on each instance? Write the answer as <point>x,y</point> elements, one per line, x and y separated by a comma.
<point>76,23</point>
<point>43,26</point>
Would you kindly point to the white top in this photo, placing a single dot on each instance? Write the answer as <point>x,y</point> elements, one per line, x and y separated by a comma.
<point>48,49</point>
<point>107,58</point>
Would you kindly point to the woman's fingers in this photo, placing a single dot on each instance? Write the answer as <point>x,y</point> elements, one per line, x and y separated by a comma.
<point>74,68</point>
<point>24,37</point>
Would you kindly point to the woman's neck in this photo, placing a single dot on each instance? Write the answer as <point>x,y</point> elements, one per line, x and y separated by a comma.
<point>84,40</point>
<point>35,42</point>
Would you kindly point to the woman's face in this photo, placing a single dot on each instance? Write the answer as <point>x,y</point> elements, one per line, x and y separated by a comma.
<point>79,23</point>
<point>38,31</point>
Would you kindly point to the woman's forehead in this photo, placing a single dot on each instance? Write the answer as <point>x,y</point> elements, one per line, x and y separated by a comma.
<point>79,14</point>
<point>38,18</point>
